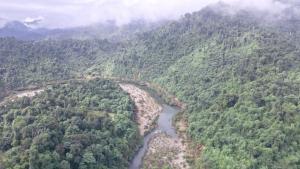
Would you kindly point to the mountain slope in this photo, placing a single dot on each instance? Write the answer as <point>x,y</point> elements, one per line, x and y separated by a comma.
<point>108,30</point>
<point>19,30</point>
<point>76,125</point>
<point>240,78</point>
<point>239,74</point>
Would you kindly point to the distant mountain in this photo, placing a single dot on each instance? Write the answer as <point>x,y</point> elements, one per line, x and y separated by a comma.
<point>16,25</point>
<point>238,73</point>
<point>108,30</point>
<point>20,31</point>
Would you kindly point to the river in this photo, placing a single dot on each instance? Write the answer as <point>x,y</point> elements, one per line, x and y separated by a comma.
<point>149,105</point>
<point>164,124</point>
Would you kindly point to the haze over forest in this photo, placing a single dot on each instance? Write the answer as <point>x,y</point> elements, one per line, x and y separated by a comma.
<point>148,84</point>
<point>72,13</point>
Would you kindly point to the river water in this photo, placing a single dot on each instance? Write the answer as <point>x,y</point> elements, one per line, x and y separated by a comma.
<point>164,124</point>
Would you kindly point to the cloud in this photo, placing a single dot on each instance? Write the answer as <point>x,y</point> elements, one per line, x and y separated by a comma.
<point>2,21</point>
<point>68,13</point>
<point>33,21</point>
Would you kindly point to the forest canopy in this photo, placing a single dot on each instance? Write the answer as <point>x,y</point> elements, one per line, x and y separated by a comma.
<point>238,74</point>
<point>79,125</point>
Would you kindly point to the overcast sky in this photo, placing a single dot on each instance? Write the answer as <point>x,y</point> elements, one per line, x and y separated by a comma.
<point>70,13</point>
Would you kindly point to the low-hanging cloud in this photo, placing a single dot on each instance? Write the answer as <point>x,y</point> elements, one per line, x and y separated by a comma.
<point>69,13</point>
<point>33,21</point>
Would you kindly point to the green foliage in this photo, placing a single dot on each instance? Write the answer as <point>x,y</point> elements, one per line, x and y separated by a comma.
<point>84,125</point>
<point>240,78</point>
<point>237,98</point>
<point>24,63</point>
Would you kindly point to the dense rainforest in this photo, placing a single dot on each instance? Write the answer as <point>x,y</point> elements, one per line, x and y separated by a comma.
<point>80,125</point>
<point>26,63</point>
<point>238,73</point>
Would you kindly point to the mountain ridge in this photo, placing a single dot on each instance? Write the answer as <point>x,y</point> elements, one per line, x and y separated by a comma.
<point>238,75</point>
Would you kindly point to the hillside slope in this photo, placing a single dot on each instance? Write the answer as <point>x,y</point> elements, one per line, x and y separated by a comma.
<point>239,75</point>
<point>77,125</point>
<point>240,78</point>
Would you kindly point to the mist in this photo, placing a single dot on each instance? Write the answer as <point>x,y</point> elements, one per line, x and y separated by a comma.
<point>73,13</point>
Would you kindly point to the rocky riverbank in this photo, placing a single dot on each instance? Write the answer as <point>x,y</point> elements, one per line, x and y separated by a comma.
<point>147,109</point>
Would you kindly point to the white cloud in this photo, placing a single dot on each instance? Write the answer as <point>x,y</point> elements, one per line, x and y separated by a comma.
<point>66,13</point>
<point>33,21</point>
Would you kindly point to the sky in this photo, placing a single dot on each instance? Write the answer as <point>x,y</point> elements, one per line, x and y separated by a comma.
<point>72,13</point>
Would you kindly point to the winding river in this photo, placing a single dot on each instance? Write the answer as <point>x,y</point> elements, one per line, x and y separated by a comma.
<point>164,124</point>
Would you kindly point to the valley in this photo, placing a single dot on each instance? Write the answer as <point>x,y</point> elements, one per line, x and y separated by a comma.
<point>147,109</point>
<point>162,147</point>
<point>70,117</point>
<point>215,88</point>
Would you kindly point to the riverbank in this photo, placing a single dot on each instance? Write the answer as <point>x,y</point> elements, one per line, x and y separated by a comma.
<point>173,151</point>
<point>166,151</point>
<point>147,109</point>
<point>193,149</point>
<point>164,147</point>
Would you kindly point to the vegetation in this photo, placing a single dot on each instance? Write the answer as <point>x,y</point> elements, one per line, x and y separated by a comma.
<point>239,76</point>
<point>240,80</point>
<point>24,63</point>
<point>79,125</point>
<point>243,97</point>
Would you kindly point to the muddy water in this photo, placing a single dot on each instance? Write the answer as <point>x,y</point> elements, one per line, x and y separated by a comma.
<point>164,124</point>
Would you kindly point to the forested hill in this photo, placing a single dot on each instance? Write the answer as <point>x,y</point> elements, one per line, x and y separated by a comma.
<point>240,78</point>
<point>109,29</point>
<point>239,74</point>
<point>80,125</point>
<point>24,63</point>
